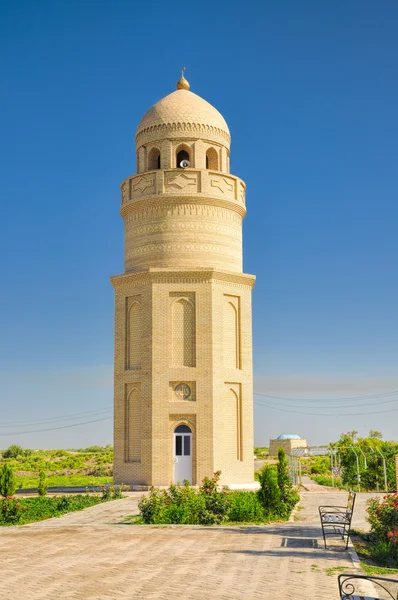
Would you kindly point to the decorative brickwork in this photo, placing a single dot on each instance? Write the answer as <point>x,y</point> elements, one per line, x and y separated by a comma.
<point>133,333</point>
<point>183,332</point>
<point>133,423</point>
<point>231,335</point>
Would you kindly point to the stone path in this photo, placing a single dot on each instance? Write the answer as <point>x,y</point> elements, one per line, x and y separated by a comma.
<point>86,556</point>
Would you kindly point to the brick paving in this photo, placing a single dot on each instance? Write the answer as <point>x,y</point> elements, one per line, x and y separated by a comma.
<point>87,556</point>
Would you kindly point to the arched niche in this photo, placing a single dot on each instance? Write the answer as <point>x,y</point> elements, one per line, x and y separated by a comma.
<point>154,159</point>
<point>212,161</point>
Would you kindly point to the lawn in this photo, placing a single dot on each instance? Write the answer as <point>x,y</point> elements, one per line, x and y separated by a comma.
<point>74,479</point>
<point>80,467</point>
<point>372,562</point>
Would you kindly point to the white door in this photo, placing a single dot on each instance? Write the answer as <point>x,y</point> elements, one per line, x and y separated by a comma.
<point>182,454</point>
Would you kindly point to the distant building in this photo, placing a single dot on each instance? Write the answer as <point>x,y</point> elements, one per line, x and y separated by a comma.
<point>287,441</point>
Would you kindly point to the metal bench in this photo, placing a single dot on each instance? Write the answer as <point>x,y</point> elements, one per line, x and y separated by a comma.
<point>336,520</point>
<point>363,587</point>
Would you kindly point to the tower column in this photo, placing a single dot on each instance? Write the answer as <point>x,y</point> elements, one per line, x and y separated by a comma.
<point>183,349</point>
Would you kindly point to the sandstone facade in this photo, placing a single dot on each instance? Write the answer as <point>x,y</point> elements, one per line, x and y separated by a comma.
<point>183,343</point>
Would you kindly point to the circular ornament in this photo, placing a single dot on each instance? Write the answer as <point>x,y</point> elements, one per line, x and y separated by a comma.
<point>183,391</point>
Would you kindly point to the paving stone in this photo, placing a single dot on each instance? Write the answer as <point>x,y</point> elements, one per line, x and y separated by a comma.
<point>86,556</point>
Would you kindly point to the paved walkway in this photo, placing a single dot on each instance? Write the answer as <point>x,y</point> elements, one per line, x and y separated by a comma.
<point>86,556</point>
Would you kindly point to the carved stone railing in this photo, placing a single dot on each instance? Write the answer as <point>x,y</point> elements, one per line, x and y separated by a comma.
<point>183,182</point>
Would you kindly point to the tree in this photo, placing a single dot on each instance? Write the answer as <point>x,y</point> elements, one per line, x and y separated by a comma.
<point>13,451</point>
<point>269,493</point>
<point>42,487</point>
<point>352,435</point>
<point>8,483</point>
<point>375,435</point>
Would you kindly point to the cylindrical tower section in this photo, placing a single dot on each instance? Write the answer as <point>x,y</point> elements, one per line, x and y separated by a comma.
<point>183,209</point>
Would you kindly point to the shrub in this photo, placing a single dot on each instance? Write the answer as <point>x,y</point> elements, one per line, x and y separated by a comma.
<point>27,510</point>
<point>183,504</point>
<point>100,470</point>
<point>13,451</point>
<point>112,492</point>
<point>245,507</point>
<point>216,503</point>
<point>289,496</point>
<point>42,487</point>
<point>11,510</point>
<point>8,483</point>
<point>383,520</point>
<point>320,465</point>
<point>325,480</point>
<point>269,494</point>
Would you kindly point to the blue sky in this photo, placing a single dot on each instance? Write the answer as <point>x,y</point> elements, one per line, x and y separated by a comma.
<point>309,90</point>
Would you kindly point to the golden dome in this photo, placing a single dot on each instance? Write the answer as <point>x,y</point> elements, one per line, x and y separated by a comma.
<point>182,83</point>
<point>185,111</point>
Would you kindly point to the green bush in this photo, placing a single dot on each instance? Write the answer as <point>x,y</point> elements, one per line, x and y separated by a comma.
<point>289,496</point>
<point>325,480</point>
<point>8,483</point>
<point>42,487</point>
<point>383,520</point>
<point>269,494</point>
<point>15,511</point>
<point>112,492</point>
<point>178,505</point>
<point>183,504</point>
<point>13,451</point>
<point>276,493</point>
<point>320,465</point>
<point>245,507</point>
<point>216,503</point>
<point>11,511</point>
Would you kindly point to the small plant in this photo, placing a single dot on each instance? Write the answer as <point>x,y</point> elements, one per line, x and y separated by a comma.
<point>112,492</point>
<point>42,487</point>
<point>216,503</point>
<point>8,483</point>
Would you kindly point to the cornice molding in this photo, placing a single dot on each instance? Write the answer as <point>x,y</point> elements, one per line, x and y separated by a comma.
<point>162,201</point>
<point>150,276</point>
<point>165,130</point>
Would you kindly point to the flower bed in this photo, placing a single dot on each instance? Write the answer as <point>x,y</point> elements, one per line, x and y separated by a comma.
<point>383,520</point>
<point>20,511</point>
<point>184,504</point>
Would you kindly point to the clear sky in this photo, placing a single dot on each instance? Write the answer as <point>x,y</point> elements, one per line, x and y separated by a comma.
<point>309,90</point>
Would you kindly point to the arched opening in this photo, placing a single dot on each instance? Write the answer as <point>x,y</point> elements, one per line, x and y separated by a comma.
<point>182,454</point>
<point>154,159</point>
<point>212,160</point>
<point>181,155</point>
<point>182,429</point>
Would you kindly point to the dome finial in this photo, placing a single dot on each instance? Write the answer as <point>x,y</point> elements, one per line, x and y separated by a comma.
<point>182,83</point>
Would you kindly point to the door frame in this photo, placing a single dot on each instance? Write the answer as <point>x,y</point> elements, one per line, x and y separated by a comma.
<point>190,434</point>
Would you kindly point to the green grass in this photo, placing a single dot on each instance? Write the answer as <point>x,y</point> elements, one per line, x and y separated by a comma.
<point>64,480</point>
<point>372,570</point>
<point>326,480</point>
<point>331,571</point>
<point>372,561</point>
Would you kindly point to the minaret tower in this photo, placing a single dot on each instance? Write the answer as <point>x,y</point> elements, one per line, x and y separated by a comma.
<point>183,339</point>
